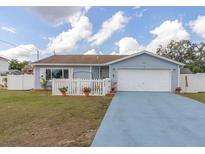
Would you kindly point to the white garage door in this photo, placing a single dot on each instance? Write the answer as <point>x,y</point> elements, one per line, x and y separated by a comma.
<point>144,80</point>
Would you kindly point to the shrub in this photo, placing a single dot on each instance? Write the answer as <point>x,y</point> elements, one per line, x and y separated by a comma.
<point>86,89</point>
<point>178,89</point>
<point>44,83</point>
<point>5,81</point>
<point>63,89</point>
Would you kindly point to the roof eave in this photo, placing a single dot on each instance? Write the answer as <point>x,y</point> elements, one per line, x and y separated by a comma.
<point>61,64</point>
<point>4,59</point>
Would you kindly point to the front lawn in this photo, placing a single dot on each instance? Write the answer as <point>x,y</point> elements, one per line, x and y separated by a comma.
<point>38,119</point>
<point>197,96</point>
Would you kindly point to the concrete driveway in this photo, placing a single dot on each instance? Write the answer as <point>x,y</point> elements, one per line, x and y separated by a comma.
<point>152,119</point>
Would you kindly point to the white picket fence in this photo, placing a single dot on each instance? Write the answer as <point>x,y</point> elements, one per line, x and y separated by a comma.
<point>192,83</point>
<point>99,87</point>
<point>20,82</point>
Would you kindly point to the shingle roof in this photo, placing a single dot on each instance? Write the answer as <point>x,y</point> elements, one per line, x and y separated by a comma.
<point>185,71</point>
<point>2,58</point>
<point>79,59</point>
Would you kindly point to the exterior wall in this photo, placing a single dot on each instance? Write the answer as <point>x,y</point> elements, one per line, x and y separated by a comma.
<point>145,61</point>
<point>82,72</point>
<point>96,72</point>
<point>104,72</point>
<point>100,72</point>
<point>39,71</point>
<point>4,66</point>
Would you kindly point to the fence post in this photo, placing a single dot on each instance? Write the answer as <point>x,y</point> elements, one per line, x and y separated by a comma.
<point>53,87</point>
<point>107,85</point>
<point>103,84</point>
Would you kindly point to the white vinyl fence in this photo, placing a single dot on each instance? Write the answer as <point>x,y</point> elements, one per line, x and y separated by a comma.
<point>192,83</point>
<point>20,82</point>
<point>99,87</point>
<point>1,80</point>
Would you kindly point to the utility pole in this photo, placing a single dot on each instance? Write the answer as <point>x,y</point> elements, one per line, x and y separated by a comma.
<point>54,52</point>
<point>37,54</point>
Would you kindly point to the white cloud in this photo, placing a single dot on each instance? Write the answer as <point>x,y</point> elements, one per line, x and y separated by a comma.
<point>140,14</point>
<point>9,29</point>
<point>57,15</point>
<point>115,23</point>
<point>114,53</point>
<point>198,26</point>
<point>136,7</point>
<point>21,52</point>
<point>80,29</point>
<point>91,52</point>
<point>128,45</point>
<point>167,31</point>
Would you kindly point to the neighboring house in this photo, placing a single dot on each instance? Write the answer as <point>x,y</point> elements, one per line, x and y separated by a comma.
<point>14,72</point>
<point>143,71</point>
<point>28,69</point>
<point>185,71</point>
<point>4,65</point>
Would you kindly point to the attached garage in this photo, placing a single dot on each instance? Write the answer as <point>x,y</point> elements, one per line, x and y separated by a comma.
<point>144,80</point>
<point>145,71</point>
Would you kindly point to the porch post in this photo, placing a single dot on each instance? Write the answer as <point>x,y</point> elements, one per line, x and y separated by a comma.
<point>99,74</point>
<point>91,72</point>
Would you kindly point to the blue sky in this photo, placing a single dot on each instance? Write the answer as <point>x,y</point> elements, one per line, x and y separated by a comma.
<point>98,30</point>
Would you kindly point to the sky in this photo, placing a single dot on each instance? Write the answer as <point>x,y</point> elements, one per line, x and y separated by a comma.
<point>95,30</point>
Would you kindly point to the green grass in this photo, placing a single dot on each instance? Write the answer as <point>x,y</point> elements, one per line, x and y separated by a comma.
<point>30,118</point>
<point>197,96</point>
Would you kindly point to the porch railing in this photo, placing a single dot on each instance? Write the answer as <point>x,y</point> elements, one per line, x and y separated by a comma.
<point>99,87</point>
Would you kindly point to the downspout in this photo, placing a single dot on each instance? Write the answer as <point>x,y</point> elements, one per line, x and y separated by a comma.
<point>178,84</point>
<point>90,72</point>
<point>99,72</point>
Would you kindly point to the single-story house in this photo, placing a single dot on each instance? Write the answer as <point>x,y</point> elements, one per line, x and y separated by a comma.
<point>143,71</point>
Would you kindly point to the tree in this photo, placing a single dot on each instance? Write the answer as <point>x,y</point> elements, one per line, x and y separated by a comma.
<point>17,65</point>
<point>191,54</point>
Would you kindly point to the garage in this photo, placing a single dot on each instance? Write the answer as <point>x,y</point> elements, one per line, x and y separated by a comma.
<point>145,71</point>
<point>144,80</point>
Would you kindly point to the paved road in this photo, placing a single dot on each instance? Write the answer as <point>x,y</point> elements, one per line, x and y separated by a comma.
<point>152,119</point>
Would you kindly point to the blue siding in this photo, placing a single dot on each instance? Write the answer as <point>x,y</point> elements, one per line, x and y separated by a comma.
<point>100,72</point>
<point>104,72</point>
<point>96,72</point>
<point>36,72</point>
<point>82,72</point>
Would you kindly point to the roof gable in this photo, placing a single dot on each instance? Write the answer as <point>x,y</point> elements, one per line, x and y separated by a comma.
<point>4,59</point>
<point>148,53</point>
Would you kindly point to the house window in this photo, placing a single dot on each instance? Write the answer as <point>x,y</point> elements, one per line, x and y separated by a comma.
<point>48,74</point>
<point>66,73</point>
<point>57,73</point>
